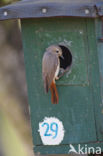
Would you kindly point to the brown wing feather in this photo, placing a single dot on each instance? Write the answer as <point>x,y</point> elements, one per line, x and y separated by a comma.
<point>49,67</point>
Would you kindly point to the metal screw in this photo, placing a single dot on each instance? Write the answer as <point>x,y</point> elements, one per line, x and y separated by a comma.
<point>5,13</point>
<point>44,10</point>
<point>81,32</point>
<point>87,11</point>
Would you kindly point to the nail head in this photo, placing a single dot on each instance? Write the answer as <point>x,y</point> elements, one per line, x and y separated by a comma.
<point>5,13</point>
<point>44,10</point>
<point>87,11</point>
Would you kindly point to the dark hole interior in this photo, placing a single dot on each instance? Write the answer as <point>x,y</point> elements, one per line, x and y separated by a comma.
<point>67,61</point>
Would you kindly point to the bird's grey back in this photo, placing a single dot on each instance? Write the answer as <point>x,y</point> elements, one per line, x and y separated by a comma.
<point>49,67</point>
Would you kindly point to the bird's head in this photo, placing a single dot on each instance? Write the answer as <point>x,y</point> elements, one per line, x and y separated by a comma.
<point>56,50</point>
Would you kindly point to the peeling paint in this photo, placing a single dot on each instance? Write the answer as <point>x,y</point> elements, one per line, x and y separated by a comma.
<point>66,43</point>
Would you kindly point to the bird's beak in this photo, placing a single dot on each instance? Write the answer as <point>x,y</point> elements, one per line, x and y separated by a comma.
<point>62,57</point>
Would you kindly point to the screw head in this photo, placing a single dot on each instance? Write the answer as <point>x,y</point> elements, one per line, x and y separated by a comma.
<point>5,13</point>
<point>81,32</point>
<point>44,10</point>
<point>87,11</point>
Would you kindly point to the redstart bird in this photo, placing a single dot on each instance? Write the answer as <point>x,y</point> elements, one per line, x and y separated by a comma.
<point>50,70</point>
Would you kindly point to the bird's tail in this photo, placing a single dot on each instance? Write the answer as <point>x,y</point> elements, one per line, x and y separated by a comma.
<point>54,93</point>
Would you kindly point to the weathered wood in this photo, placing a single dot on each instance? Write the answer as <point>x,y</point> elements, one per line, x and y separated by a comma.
<point>79,92</point>
<point>54,8</point>
<point>99,113</point>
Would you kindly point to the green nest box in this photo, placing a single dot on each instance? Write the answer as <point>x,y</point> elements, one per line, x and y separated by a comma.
<point>77,27</point>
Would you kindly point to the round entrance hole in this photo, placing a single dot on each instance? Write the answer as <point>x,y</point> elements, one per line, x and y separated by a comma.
<point>67,61</point>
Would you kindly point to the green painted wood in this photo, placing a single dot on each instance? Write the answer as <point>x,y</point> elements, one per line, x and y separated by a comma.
<point>64,149</point>
<point>98,29</point>
<point>48,36</point>
<point>79,96</point>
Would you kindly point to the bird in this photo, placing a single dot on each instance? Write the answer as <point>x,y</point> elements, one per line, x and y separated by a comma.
<point>50,70</point>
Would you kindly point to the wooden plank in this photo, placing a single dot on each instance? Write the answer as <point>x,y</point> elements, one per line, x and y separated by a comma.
<point>95,78</point>
<point>99,114</point>
<point>76,106</point>
<point>64,149</point>
<point>54,8</point>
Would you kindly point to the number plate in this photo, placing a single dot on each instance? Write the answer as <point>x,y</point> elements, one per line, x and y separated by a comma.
<point>51,131</point>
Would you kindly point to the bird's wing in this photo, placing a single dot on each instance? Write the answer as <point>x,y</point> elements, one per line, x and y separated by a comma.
<point>49,67</point>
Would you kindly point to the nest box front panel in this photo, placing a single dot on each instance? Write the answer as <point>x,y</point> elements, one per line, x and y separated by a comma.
<point>75,109</point>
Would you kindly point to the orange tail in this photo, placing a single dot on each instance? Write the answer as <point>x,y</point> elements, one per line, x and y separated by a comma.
<point>54,93</point>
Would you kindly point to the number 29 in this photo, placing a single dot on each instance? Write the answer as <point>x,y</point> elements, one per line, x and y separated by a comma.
<point>51,129</point>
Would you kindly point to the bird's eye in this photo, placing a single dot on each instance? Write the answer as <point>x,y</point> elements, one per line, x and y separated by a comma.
<point>57,51</point>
